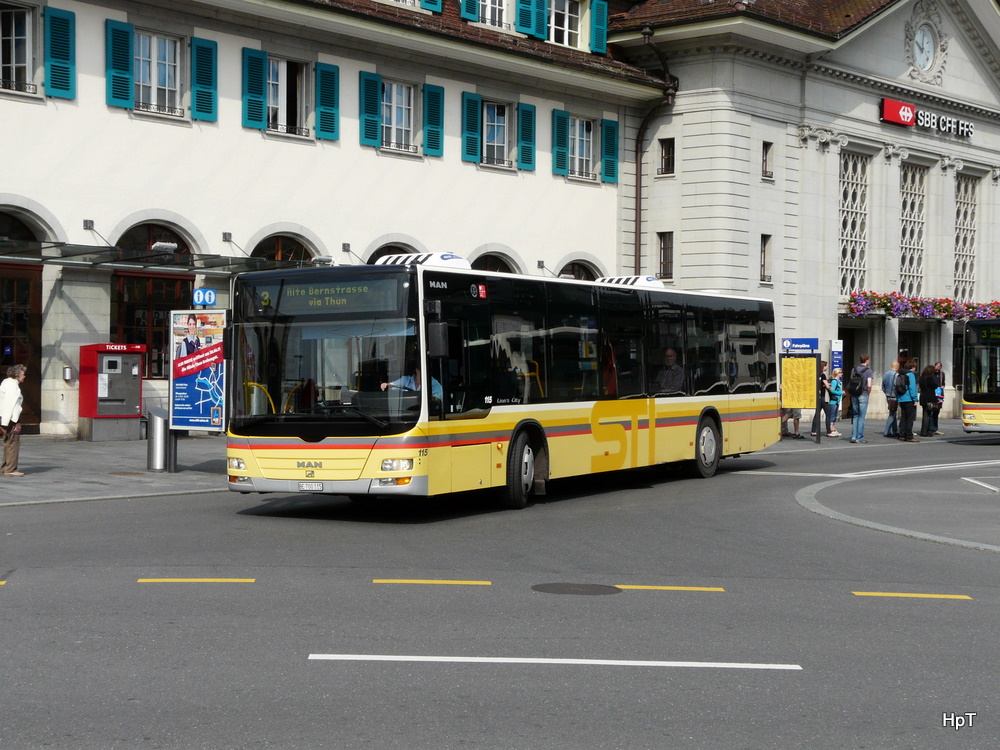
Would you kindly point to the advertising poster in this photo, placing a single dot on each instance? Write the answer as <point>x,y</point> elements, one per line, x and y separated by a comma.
<point>798,382</point>
<point>197,370</point>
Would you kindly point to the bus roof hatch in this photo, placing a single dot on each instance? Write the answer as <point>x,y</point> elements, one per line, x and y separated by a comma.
<point>434,260</point>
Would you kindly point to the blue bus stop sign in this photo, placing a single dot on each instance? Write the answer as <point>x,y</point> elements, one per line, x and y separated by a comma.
<point>800,345</point>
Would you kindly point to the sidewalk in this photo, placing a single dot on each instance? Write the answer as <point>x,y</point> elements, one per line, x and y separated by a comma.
<point>952,429</point>
<point>59,469</point>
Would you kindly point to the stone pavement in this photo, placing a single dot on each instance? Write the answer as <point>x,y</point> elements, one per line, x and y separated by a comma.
<point>60,469</point>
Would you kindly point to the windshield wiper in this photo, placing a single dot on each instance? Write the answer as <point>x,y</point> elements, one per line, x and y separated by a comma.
<point>381,424</point>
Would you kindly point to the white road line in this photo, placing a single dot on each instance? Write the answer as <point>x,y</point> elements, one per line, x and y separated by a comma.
<point>990,487</point>
<point>861,474</point>
<point>531,660</point>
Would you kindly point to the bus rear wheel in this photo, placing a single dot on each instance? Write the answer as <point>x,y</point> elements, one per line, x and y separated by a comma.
<point>707,449</point>
<point>520,472</point>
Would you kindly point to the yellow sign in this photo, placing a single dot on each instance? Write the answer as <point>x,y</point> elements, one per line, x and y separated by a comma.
<point>798,382</point>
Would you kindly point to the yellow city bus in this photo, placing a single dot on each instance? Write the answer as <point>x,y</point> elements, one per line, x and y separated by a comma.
<point>522,379</point>
<point>981,376</point>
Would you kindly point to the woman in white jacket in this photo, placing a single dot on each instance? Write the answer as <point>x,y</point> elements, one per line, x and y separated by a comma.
<point>10,412</point>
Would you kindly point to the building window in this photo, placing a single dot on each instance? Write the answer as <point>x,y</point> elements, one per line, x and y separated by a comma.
<point>853,221</point>
<point>667,156</point>
<point>285,96</point>
<point>564,22</point>
<point>156,74</point>
<point>492,12</point>
<point>492,262</point>
<point>666,255</point>
<point>496,134</point>
<point>15,49</point>
<point>581,148</point>
<point>141,304</point>
<point>281,247</point>
<point>913,216</point>
<point>966,200</point>
<point>766,167</point>
<point>578,271</point>
<point>765,258</point>
<point>397,116</point>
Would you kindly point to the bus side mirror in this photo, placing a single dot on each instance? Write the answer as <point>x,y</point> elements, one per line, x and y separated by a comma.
<point>437,340</point>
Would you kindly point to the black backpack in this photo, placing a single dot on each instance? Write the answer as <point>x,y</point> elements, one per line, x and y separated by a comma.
<point>856,383</point>
<point>901,384</point>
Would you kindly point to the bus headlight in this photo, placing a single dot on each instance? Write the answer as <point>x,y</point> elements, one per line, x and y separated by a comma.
<point>968,417</point>
<point>237,463</point>
<point>397,464</point>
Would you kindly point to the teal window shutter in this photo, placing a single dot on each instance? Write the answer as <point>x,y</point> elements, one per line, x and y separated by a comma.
<point>327,102</point>
<point>60,53</point>
<point>470,10</point>
<point>541,19</point>
<point>118,64</point>
<point>609,151</point>
<point>472,126</point>
<point>433,120</point>
<point>526,137</point>
<point>524,17</point>
<point>599,26</point>
<point>371,109</point>
<point>560,142</point>
<point>432,5</point>
<point>204,80</point>
<point>254,89</point>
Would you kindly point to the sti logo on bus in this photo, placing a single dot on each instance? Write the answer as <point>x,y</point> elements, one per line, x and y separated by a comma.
<point>478,290</point>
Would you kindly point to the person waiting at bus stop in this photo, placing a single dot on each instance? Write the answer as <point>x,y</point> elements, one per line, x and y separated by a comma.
<point>413,383</point>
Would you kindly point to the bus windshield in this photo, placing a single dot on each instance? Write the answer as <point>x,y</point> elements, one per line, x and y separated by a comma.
<point>982,362</point>
<point>318,361</point>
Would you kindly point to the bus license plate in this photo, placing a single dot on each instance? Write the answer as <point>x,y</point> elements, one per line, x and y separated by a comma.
<point>310,486</point>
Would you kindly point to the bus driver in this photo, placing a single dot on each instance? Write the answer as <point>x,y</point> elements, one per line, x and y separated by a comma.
<point>412,383</point>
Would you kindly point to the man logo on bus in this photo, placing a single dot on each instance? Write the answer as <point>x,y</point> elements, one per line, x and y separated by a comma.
<point>309,465</point>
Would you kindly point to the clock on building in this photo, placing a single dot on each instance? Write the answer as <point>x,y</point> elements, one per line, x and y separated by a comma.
<point>925,47</point>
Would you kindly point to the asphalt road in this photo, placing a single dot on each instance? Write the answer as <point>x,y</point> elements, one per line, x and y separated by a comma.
<point>800,599</point>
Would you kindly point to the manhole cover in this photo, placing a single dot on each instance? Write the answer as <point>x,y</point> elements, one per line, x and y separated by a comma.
<point>579,589</point>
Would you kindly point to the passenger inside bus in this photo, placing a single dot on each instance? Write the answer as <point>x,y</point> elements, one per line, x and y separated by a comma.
<point>670,378</point>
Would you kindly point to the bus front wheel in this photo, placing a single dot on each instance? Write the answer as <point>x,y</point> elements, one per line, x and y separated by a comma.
<point>520,471</point>
<point>707,449</point>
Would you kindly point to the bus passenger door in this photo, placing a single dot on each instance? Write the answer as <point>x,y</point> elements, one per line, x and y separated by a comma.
<point>463,447</point>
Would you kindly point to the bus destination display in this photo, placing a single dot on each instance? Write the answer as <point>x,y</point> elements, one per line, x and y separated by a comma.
<point>368,295</point>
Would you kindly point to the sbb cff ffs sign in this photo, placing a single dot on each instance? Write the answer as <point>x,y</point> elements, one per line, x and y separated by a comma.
<point>907,115</point>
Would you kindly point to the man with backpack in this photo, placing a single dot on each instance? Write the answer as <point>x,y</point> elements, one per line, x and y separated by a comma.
<point>859,385</point>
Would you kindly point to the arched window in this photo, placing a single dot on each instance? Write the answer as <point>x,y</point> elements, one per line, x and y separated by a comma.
<point>579,271</point>
<point>281,247</point>
<point>12,228</point>
<point>491,262</point>
<point>21,319</point>
<point>141,303</point>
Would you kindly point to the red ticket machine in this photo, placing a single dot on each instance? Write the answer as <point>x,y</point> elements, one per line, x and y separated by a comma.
<point>111,391</point>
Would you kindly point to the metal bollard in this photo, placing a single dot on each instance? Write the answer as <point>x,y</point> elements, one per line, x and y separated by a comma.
<point>161,446</point>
